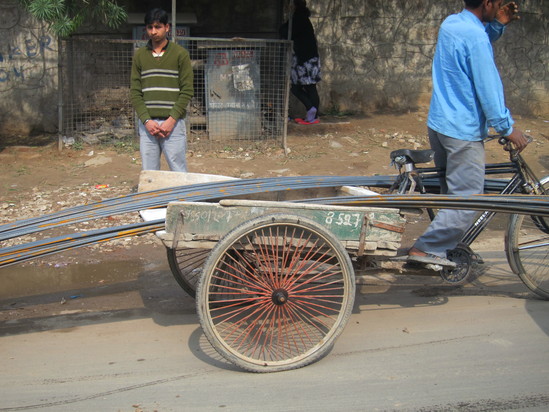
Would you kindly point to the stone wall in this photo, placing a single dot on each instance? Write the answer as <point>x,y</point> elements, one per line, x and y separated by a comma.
<point>28,74</point>
<point>377,54</point>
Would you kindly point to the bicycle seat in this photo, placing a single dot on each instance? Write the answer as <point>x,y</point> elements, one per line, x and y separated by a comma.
<point>416,156</point>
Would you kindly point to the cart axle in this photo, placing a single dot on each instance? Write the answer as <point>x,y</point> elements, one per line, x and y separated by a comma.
<point>279,297</point>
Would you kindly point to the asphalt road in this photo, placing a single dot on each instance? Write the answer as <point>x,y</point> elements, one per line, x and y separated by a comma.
<point>412,344</point>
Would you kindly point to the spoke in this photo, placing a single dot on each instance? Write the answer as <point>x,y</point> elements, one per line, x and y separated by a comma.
<point>247,277</point>
<point>312,283</point>
<point>237,311</point>
<point>317,306</point>
<point>294,309</point>
<point>248,269</point>
<point>528,244</point>
<point>294,322</point>
<point>233,327</point>
<point>263,258</point>
<point>256,339</point>
<point>297,308</point>
<point>237,280</point>
<point>308,270</point>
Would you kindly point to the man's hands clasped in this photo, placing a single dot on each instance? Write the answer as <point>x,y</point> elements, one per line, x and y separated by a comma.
<point>160,131</point>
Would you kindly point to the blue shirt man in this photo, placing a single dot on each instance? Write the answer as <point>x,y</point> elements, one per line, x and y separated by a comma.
<point>467,89</point>
<point>467,99</point>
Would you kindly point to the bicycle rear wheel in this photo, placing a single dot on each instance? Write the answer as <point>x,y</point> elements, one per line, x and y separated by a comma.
<point>276,293</point>
<point>527,248</point>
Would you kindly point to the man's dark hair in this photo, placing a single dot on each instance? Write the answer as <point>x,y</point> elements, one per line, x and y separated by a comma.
<point>158,15</point>
<point>474,4</point>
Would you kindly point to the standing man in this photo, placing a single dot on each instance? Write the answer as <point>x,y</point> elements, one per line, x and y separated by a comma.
<point>161,88</point>
<point>467,99</point>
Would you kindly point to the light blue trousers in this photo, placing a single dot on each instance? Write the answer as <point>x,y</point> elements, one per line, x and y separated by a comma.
<point>174,148</point>
<point>464,162</point>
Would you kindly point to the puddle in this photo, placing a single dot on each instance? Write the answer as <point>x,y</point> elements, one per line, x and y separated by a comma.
<point>30,280</point>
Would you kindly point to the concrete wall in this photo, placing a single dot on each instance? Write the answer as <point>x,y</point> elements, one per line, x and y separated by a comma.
<point>377,54</point>
<point>28,74</point>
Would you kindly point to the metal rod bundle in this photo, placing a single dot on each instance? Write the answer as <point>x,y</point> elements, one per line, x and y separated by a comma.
<point>218,190</point>
<point>190,193</point>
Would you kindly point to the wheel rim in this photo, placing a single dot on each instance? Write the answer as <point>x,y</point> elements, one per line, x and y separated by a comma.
<point>186,266</point>
<point>530,251</point>
<point>277,295</point>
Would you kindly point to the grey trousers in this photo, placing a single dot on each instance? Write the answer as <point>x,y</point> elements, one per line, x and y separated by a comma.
<point>464,162</point>
<point>174,148</point>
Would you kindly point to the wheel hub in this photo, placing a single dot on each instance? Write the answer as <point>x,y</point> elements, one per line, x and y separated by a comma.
<point>279,297</point>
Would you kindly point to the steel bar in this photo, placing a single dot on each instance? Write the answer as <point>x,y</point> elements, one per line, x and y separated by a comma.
<point>17,254</point>
<point>521,204</point>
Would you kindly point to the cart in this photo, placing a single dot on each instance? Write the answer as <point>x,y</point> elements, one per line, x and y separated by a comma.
<point>276,280</point>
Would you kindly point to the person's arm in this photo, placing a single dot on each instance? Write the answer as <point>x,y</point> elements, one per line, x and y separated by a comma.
<point>489,91</point>
<point>186,92</point>
<point>506,15</point>
<point>489,88</point>
<point>136,90</point>
<point>186,89</point>
<point>494,30</point>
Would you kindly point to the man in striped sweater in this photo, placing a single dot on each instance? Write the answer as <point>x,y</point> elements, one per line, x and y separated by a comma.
<point>161,88</point>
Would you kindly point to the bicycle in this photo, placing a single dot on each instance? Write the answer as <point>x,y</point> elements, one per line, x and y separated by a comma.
<point>526,237</point>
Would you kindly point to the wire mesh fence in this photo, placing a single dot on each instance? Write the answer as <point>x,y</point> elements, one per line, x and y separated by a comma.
<point>241,90</point>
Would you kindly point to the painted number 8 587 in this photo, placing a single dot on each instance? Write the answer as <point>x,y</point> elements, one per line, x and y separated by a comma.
<point>343,219</point>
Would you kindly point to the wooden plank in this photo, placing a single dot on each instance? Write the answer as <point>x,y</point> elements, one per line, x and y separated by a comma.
<point>161,179</point>
<point>210,220</point>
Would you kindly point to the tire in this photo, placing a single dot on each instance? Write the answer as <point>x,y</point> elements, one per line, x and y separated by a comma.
<point>186,266</point>
<point>527,248</point>
<point>276,293</point>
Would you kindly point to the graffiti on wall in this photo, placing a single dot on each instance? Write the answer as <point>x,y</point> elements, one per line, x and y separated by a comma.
<point>23,52</point>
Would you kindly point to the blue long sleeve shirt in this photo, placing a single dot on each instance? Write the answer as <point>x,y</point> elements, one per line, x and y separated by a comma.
<point>467,89</point>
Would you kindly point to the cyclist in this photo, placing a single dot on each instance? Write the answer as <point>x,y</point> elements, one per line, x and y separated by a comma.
<point>467,98</point>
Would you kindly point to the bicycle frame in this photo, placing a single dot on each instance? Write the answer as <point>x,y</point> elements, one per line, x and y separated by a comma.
<point>521,181</point>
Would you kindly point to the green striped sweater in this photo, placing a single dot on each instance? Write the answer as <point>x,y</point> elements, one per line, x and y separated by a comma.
<point>161,86</point>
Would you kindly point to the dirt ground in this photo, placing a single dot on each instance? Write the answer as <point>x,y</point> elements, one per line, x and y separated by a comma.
<point>41,179</point>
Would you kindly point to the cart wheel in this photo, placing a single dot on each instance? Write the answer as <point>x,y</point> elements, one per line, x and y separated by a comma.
<point>276,293</point>
<point>458,275</point>
<point>186,266</point>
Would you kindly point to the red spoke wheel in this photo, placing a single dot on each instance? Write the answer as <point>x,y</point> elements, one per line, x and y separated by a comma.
<point>186,266</point>
<point>275,294</point>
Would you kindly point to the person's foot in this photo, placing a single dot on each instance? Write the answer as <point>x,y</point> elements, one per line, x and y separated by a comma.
<point>311,115</point>
<point>419,256</point>
<point>304,121</point>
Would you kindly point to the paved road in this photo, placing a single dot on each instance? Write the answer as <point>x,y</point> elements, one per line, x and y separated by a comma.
<point>412,344</point>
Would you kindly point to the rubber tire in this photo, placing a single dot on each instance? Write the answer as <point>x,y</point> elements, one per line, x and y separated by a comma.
<point>526,265</point>
<point>184,262</point>
<point>320,347</point>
